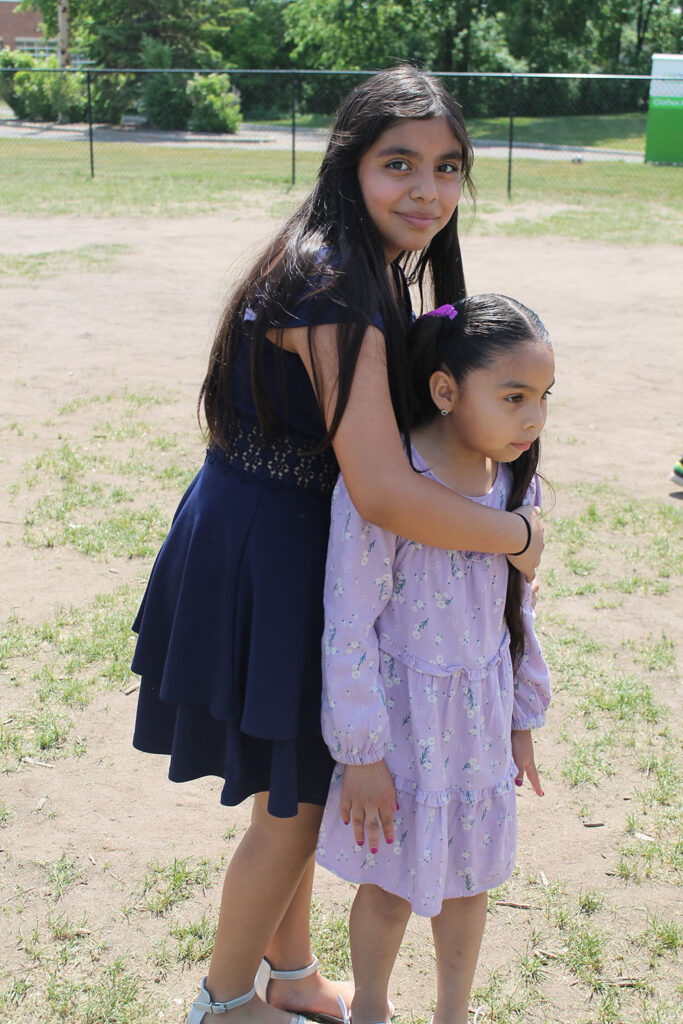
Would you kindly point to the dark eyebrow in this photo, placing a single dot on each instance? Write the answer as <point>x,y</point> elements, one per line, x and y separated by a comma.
<point>455,154</point>
<point>519,385</point>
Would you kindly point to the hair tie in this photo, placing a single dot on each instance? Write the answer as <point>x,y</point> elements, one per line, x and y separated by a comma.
<point>515,554</point>
<point>446,311</point>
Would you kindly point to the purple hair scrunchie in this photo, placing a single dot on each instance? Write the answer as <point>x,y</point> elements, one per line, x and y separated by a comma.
<point>446,311</point>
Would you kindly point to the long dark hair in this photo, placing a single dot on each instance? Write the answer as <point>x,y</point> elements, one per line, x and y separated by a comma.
<point>332,242</point>
<point>485,327</point>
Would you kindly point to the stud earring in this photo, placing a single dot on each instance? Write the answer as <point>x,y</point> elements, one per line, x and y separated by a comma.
<point>444,412</point>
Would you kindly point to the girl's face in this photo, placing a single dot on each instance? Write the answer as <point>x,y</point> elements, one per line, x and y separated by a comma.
<point>501,409</point>
<point>411,183</point>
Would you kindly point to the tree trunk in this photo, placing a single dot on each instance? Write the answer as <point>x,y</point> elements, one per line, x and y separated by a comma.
<point>63,33</point>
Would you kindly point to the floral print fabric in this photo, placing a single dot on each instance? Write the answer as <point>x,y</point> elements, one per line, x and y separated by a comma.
<point>417,670</point>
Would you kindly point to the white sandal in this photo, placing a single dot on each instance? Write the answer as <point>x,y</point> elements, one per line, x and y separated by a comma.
<point>475,1020</point>
<point>346,1013</point>
<point>265,973</point>
<point>204,1004</point>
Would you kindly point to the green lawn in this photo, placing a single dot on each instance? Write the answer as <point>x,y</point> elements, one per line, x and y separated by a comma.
<point>611,201</point>
<point>603,131</point>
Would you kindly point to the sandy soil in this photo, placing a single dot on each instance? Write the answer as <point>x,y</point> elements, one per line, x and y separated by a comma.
<point>614,314</point>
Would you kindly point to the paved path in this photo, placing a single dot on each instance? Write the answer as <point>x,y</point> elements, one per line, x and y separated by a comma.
<point>252,136</point>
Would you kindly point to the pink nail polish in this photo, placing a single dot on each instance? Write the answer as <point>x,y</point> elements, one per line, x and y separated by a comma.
<point>518,782</point>
<point>390,841</point>
<point>373,849</point>
<point>360,842</point>
<point>397,807</point>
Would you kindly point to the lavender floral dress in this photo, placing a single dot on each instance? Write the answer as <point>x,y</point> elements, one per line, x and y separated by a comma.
<point>417,671</point>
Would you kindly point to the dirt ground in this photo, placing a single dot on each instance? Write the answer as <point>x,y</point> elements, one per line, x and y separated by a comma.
<point>616,416</point>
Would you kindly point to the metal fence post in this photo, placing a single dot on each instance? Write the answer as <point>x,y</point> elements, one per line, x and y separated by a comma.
<point>511,133</point>
<point>293,129</point>
<point>92,157</point>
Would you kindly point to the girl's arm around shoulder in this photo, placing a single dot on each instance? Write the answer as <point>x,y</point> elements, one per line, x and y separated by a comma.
<point>381,483</point>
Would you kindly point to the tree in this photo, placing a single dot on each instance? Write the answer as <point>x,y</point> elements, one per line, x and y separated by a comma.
<point>353,34</point>
<point>110,32</point>
<point>251,33</point>
<point>63,33</point>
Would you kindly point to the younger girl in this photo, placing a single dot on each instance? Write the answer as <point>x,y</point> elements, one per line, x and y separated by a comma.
<point>308,364</point>
<point>433,677</point>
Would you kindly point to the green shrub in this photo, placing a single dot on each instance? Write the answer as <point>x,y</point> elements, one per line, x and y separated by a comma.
<point>164,99</point>
<point>112,94</point>
<point>215,105</point>
<point>12,59</point>
<point>38,93</point>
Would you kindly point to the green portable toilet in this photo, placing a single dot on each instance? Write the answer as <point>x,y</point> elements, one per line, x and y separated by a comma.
<point>664,141</point>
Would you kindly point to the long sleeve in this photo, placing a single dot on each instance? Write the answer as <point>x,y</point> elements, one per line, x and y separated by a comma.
<point>532,677</point>
<point>358,585</point>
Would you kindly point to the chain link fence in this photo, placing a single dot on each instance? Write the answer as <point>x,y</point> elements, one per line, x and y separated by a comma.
<point>270,127</point>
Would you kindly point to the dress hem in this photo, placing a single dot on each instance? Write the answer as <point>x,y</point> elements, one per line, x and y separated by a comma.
<point>401,895</point>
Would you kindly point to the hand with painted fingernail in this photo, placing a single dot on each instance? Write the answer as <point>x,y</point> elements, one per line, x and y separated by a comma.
<point>368,800</point>
<point>523,756</point>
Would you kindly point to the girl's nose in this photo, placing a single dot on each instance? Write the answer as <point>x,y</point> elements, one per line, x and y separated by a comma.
<point>535,418</point>
<point>424,187</point>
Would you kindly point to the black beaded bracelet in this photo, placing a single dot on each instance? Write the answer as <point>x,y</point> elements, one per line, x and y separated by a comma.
<point>514,554</point>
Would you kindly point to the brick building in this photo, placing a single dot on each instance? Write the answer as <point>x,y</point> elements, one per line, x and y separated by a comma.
<point>22,30</point>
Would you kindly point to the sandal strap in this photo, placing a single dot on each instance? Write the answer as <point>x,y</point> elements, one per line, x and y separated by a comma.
<point>303,972</point>
<point>345,1012</point>
<point>205,1004</point>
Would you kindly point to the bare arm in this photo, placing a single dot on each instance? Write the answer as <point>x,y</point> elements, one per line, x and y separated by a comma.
<point>383,486</point>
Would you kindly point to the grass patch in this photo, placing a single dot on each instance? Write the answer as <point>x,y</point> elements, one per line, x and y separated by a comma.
<point>611,201</point>
<point>84,484</point>
<point>61,261</point>
<point>612,720</point>
<point>595,201</point>
<point>166,885</point>
<point>602,131</point>
<point>330,938</point>
<point>140,180</point>
<point>59,668</point>
<point>194,940</point>
<point>100,500</point>
<point>60,875</point>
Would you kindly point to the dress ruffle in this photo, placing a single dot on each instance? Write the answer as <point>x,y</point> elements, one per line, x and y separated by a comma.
<point>455,794</point>
<point>438,853</point>
<point>227,645</point>
<point>396,649</point>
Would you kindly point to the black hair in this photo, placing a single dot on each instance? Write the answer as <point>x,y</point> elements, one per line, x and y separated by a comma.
<point>332,241</point>
<point>484,327</point>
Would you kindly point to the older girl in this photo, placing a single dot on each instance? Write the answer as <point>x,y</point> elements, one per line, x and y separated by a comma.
<point>307,374</point>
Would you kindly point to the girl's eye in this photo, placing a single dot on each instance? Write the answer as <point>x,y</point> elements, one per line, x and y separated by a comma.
<point>397,165</point>
<point>448,168</point>
<point>547,394</point>
<point>514,398</point>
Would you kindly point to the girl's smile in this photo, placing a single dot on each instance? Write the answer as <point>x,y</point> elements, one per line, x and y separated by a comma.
<point>411,183</point>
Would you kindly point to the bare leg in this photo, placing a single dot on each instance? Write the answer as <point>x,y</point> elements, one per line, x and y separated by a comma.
<point>260,884</point>
<point>458,931</point>
<point>376,928</point>
<point>290,949</point>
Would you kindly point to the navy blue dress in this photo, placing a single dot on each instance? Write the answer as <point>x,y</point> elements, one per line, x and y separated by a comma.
<point>230,627</point>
